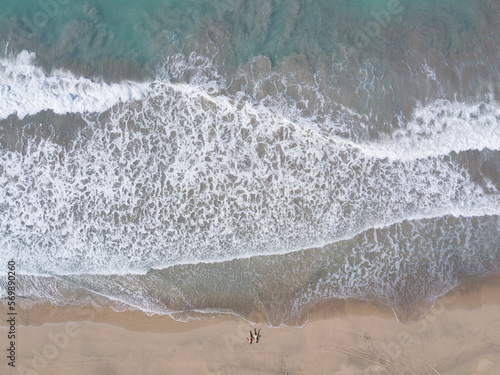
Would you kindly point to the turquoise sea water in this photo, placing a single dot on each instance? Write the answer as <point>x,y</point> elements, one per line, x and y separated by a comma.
<point>194,158</point>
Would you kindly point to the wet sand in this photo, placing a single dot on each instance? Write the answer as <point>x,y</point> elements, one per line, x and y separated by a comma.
<point>460,335</point>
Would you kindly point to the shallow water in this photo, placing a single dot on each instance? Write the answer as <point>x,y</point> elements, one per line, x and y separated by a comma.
<point>242,157</point>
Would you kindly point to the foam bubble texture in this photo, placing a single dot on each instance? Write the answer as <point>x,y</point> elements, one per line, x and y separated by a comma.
<point>186,176</point>
<point>441,128</point>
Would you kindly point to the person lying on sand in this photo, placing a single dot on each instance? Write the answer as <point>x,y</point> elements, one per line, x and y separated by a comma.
<point>256,335</point>
<point>250,338</point>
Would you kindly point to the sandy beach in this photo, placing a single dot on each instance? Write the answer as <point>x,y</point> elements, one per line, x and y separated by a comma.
<point>460,335</point>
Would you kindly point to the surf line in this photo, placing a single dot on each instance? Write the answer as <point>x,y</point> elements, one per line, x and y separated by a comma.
<point>11,297</point>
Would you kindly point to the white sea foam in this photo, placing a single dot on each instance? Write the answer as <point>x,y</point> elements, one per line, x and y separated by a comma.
<point>188,176</point>
<point>26,90</point>
<point>441,128</point>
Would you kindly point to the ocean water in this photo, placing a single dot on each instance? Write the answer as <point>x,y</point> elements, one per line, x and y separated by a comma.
<point>255,158</point>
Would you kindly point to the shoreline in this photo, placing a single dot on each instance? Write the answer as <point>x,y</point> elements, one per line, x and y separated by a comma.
<point>38,312</point>
<point>459,335</point>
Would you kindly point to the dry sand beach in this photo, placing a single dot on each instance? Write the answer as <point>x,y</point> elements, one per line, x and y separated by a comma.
<point>460,335</point>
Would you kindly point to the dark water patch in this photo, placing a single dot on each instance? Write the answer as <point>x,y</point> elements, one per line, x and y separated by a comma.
<point>484,169</point>
<point>44,126</point>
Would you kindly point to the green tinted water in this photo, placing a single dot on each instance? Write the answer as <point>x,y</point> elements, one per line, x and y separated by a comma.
<point>66,33</point>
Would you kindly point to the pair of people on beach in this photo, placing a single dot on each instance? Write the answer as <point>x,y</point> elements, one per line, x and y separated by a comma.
<point>255,336</point>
